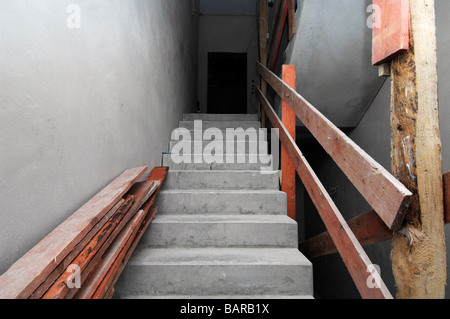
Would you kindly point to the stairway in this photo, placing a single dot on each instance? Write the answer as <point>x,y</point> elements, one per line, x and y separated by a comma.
<point>221,231</point>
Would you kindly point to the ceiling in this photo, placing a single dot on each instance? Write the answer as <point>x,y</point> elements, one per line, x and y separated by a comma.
<point>228,7</point>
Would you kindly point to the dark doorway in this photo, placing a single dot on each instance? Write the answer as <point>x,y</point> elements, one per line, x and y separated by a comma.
<point>227,83</point>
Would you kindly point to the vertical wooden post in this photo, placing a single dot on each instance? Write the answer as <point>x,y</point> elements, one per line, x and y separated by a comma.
<point>291,19</point>
<point>418,251</point>
<point>263,30</point>
<point>287,167</point>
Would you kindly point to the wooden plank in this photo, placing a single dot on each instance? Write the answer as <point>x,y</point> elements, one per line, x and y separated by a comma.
<point>353,255</point>
<point>59,289</point>
<point>368,229</point>
<point>291,15</point>
<point>276,17</point>
<point>90,255</point>
<point>158,176</point>
<point>263,29</point>
<point>38,293</point>
<point>391,33</point>
<point>279,34</point>
<point>119,264</point>
<point>387,196</point>
<point>140,193</point>
<point>91,284</point>
<point>446,179</point>
<point>289,120</point>
<point>21,280</point>
<point>418,250</point>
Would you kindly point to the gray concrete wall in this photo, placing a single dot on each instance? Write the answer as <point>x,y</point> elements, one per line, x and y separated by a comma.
<point>79,106</point>
<point>237,34</point>
<point>331,50</point>
<point>331,278</point>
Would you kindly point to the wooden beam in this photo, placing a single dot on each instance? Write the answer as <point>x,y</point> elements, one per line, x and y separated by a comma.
<point>289,120</point>
<point>59,270</point>
<point>418,250</point>
<point>390,30</point>
<point>279,34</point>
<point>276,17</point>
<point>291,15</point>
<point>263,30</point>
<point>92,253</point>
<point>93,281</point>
<point>353,255</point>
<point>119,264</point>
<point>387,196</point>
<point>368,228</point>
<point>21,280</point>
<point>60,289</point>
<point>158,175</point>
<point>446,179</point>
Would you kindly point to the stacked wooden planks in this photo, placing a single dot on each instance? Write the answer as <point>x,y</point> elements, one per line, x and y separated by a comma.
<point>85,255</point>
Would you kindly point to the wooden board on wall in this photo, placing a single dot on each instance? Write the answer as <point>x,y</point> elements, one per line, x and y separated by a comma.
<point>391,29</point>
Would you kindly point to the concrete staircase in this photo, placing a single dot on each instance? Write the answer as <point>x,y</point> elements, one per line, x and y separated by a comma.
<point>221,231</point>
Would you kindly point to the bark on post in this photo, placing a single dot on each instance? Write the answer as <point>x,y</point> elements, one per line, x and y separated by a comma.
<point>418,251</point>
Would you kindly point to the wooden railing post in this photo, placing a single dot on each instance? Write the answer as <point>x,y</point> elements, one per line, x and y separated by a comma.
<point>287,167</point>
<point>419,253</point>
<point>263,30</point>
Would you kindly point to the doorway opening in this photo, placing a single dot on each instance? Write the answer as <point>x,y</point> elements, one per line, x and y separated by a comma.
<point>227,83</point>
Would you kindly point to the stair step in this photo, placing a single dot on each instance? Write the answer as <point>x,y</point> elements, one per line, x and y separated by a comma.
<point>216,271</point>
<point>195,135</point>
<point>221,125</point>
<point>247,147</point>
<point>221,180</point>
<point>251,162</point>
<point>221,231</point>
<point>226,202</point>
<point>220,117</point>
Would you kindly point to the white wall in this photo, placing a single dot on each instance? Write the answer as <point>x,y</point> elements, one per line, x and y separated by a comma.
<point>236,34</point>
<point>79,106</point>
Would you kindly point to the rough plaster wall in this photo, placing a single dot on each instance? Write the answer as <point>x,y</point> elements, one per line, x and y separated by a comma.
<point>236,34</point>
<point>79,106</point>
<point>331,278</point>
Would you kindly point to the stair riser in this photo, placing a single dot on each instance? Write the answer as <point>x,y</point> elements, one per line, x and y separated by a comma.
<point>253,162</point>
<point>215,280</point>
<point>195,135</point>
<point>220,117</point>
<point>220,235</point>
<point>219,203</point>
<point>221,125</point>
<point>208,147</point>
<point>221,180</point>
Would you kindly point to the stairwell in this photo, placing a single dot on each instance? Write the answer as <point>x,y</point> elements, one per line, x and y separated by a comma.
<point>221,231</point>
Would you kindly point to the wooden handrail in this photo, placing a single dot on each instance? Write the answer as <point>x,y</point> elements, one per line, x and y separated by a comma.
<point>387,196</point>
<point>368,228</point>
<point>352,253</point>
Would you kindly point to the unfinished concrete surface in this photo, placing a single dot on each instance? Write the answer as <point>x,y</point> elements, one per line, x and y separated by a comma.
<point>219,234</point>
<point>332,52</point>
<point>331,278</point>
<point>79,106</point>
